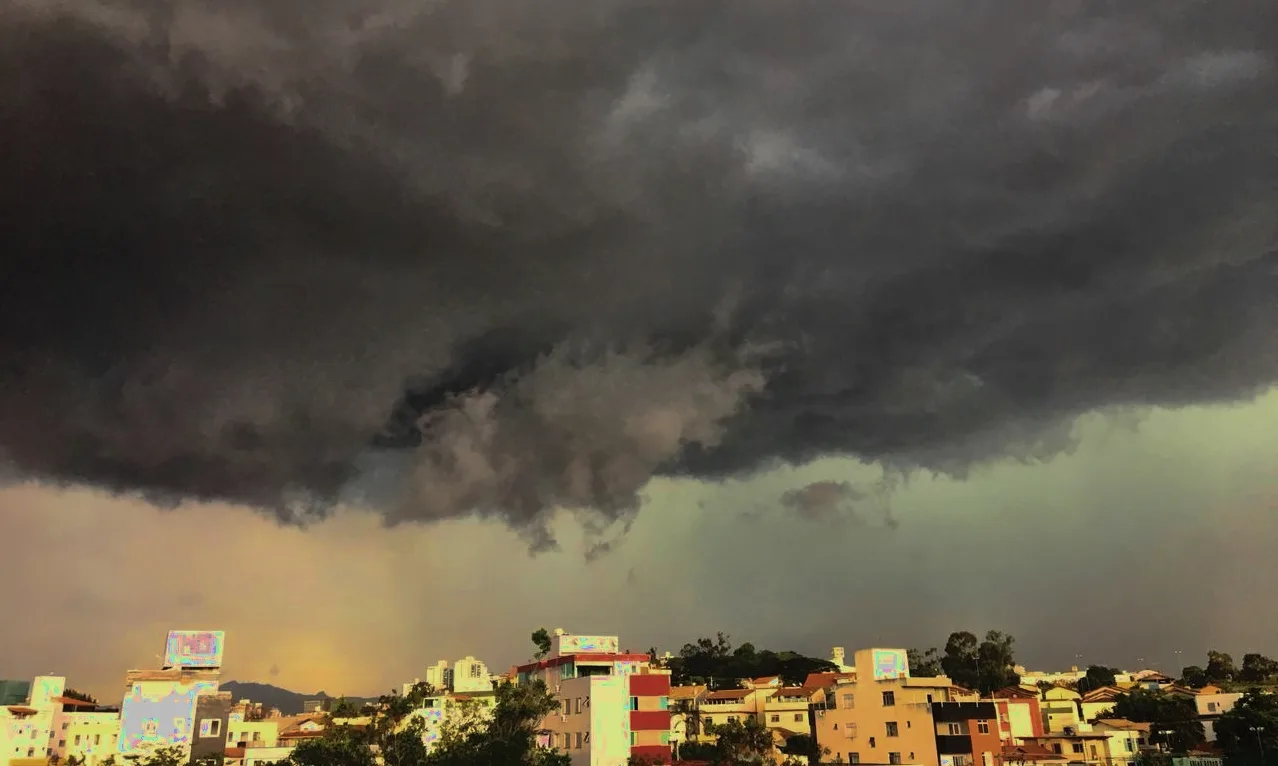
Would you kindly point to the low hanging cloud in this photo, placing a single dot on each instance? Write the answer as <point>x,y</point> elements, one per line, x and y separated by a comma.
<point>828,501</point>
<point>475,256</point>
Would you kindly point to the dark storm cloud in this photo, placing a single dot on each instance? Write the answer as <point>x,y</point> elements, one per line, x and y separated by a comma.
<point>486,256</point>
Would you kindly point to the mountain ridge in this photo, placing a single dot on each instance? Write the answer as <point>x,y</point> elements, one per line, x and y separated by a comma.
<point>287,701</point>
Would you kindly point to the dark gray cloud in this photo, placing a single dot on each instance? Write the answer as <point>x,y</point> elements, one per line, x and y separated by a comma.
<point>481,256</point>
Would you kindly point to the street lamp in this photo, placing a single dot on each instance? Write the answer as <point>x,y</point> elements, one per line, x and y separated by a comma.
<point>1260,745</point>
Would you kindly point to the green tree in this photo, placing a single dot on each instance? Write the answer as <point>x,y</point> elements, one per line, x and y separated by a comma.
<point>1257,669</point>
<point>804,746</point>
<point>508,736</point>
<point>996,663</point>
<point>738,742</point>
<point>1220,667</point>
<point>344,708</point>
<point>1164,713</point>
<point>76,694</point>
<point>960,660</point>
<point>925,664</point>
<point>164,756</point>
<point>1194,677</point>
<point>1250,729</point>
<point>541,639</point>
<point>697,751</point>
<point>1098,676</point>
<point>713,661</point>
<point>340,746</point>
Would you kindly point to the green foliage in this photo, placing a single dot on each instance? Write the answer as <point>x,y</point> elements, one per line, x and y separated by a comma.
<point>738,741</point>
<point>1250,729</point>
<point>1220,667</point>
<point>1194,676</point>
<point>697,751</point>
<point>1098,676</point>
<point>507,737</point>
<point>925,664</point>
<point>1165,713</point>
<point>76,694</point>
<point>344,708</point>
<point>804,746</point>
<point>983,665</point>
<point>714,662</point>
<point>541,638</point>
<point>164,756</point>
<point>1257,669</point>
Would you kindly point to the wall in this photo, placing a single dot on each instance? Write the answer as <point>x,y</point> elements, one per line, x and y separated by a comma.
<point>23,734</point>
<point>649,715</point>
<point>264,733</point>
<point>211,713</point>
<point>160,713</point>
<point>1020,718</point>
<point>91,736</point>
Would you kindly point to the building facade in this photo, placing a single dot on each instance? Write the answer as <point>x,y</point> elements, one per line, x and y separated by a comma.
<point>613,703</point>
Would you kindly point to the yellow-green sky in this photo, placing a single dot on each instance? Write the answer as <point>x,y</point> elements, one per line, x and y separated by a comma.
<point>1145,540</point>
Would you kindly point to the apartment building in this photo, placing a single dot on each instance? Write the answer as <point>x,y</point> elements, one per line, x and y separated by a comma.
<point>1126,739</point>
<point>882,715</point>
<point>967,733</point>
<point>1079,745</point>
<point>1019,714</point>
<point>614,704</point>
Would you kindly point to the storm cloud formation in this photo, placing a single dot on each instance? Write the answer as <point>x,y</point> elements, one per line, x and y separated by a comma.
<point>484,256</point>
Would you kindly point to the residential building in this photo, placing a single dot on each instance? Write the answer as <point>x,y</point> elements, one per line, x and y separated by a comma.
<point>725,705</point>
<point>1088,747</point>
<point>84,733</point>
<point>27,729</point>
<point>685,713</point>
<point>1126,739</point>
<point>881,714</point>
<point>1212,702</point>
<point>838,657</point>
<point>470,676</point>
<point>614,704</point>
<point>1099,702</point>
<point>785,711</point>
<point>1060,709</point>
<point>967,733</point>
<point>1031,755</point>
<point>439,676</point>
<point>161,708</point>
<point>1019,714</point>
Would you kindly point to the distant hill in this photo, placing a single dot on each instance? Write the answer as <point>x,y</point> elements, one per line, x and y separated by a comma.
<point>288,702</point>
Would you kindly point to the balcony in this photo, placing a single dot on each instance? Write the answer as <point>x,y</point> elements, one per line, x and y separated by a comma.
<point>953,744</point>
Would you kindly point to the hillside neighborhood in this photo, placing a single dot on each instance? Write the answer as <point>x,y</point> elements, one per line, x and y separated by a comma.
<point>586,700</point>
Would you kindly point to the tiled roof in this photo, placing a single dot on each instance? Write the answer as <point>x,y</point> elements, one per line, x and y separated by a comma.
<point>826,679</point>
<point>730,694</point>
<point>1123,724</point>
<point>1029,753</point>
<point>1015,692</point>
<point>686,692</point>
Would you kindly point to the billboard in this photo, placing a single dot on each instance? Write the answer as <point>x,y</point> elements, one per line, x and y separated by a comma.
<point>889,664</point>
<point>582,644</point>
<point>194,649</point>
<point>159,714</point>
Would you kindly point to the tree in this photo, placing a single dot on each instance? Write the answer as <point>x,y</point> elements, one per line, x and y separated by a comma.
<point>1164,713</point>
<point>340,746</point>
<point>960,662</point>
<point>1257,669</point>
<point>697,751</point>
<point>344,708</point>
<point>1220,667</point>
<point>925,664</point>
<point>738,741</point>
<point>76,694</point>
<point>509,736</point>
<point>1250,729</point>
<point>713,661</point>
<point>1098,676</point>
<point>542,640</point>
<point>1194,677</point>
<point>804,746</point>
<point>164,756</point>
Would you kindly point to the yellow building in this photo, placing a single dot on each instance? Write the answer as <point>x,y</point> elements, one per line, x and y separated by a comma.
<point>1059,706</point>
<point>882,715</point>
<point>1090,747</point>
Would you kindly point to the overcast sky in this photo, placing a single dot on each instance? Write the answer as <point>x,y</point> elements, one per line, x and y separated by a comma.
<point>1140,542</point>
<point>375,297</point>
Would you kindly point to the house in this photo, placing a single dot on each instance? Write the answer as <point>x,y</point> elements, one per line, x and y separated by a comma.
<point>1212,702</point>
<point>1019,714</point>
<point>1060,709</point>
<point>726,705</point>
<point>1126,739</point>
<point>1098,702</point>
<point>786,714</point>
<point>1089,747</point>
<point>685,713</point>
<point>1020,755</point>
<point>967,733</point>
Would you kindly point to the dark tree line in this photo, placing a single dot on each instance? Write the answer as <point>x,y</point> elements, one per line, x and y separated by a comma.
<point>1256,669</point>
<point>716,663</point>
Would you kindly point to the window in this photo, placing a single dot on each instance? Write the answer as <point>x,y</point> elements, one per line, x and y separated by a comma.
<point>893,730</point>
<point>954,729</point>
<point>1078,747</point>
<point>849,701</point>
<point>732,718</point>
<point>871,741</point>
<point>982,727</point>
<point>663,703</point>
<point>889,699</point>
<point>854,757</point>
<point>775,718</point>
<point>578,740</point>
<point>97,739</point>
<point>1056,748</point>
<point>64,726</point>
<point>798,716</point>
<point>894,758</point>
<point>567,706</point>
<point>30,752</point>
<point>633,739</point>
<point>634,703</point>
<point>62,743</point>
<point>1211,707</point>
<point>214,727</point>
<point>1128,744</point>
<point>77,740</point>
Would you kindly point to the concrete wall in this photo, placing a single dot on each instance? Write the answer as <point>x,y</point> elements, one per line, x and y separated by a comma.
<point>208,745</point>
